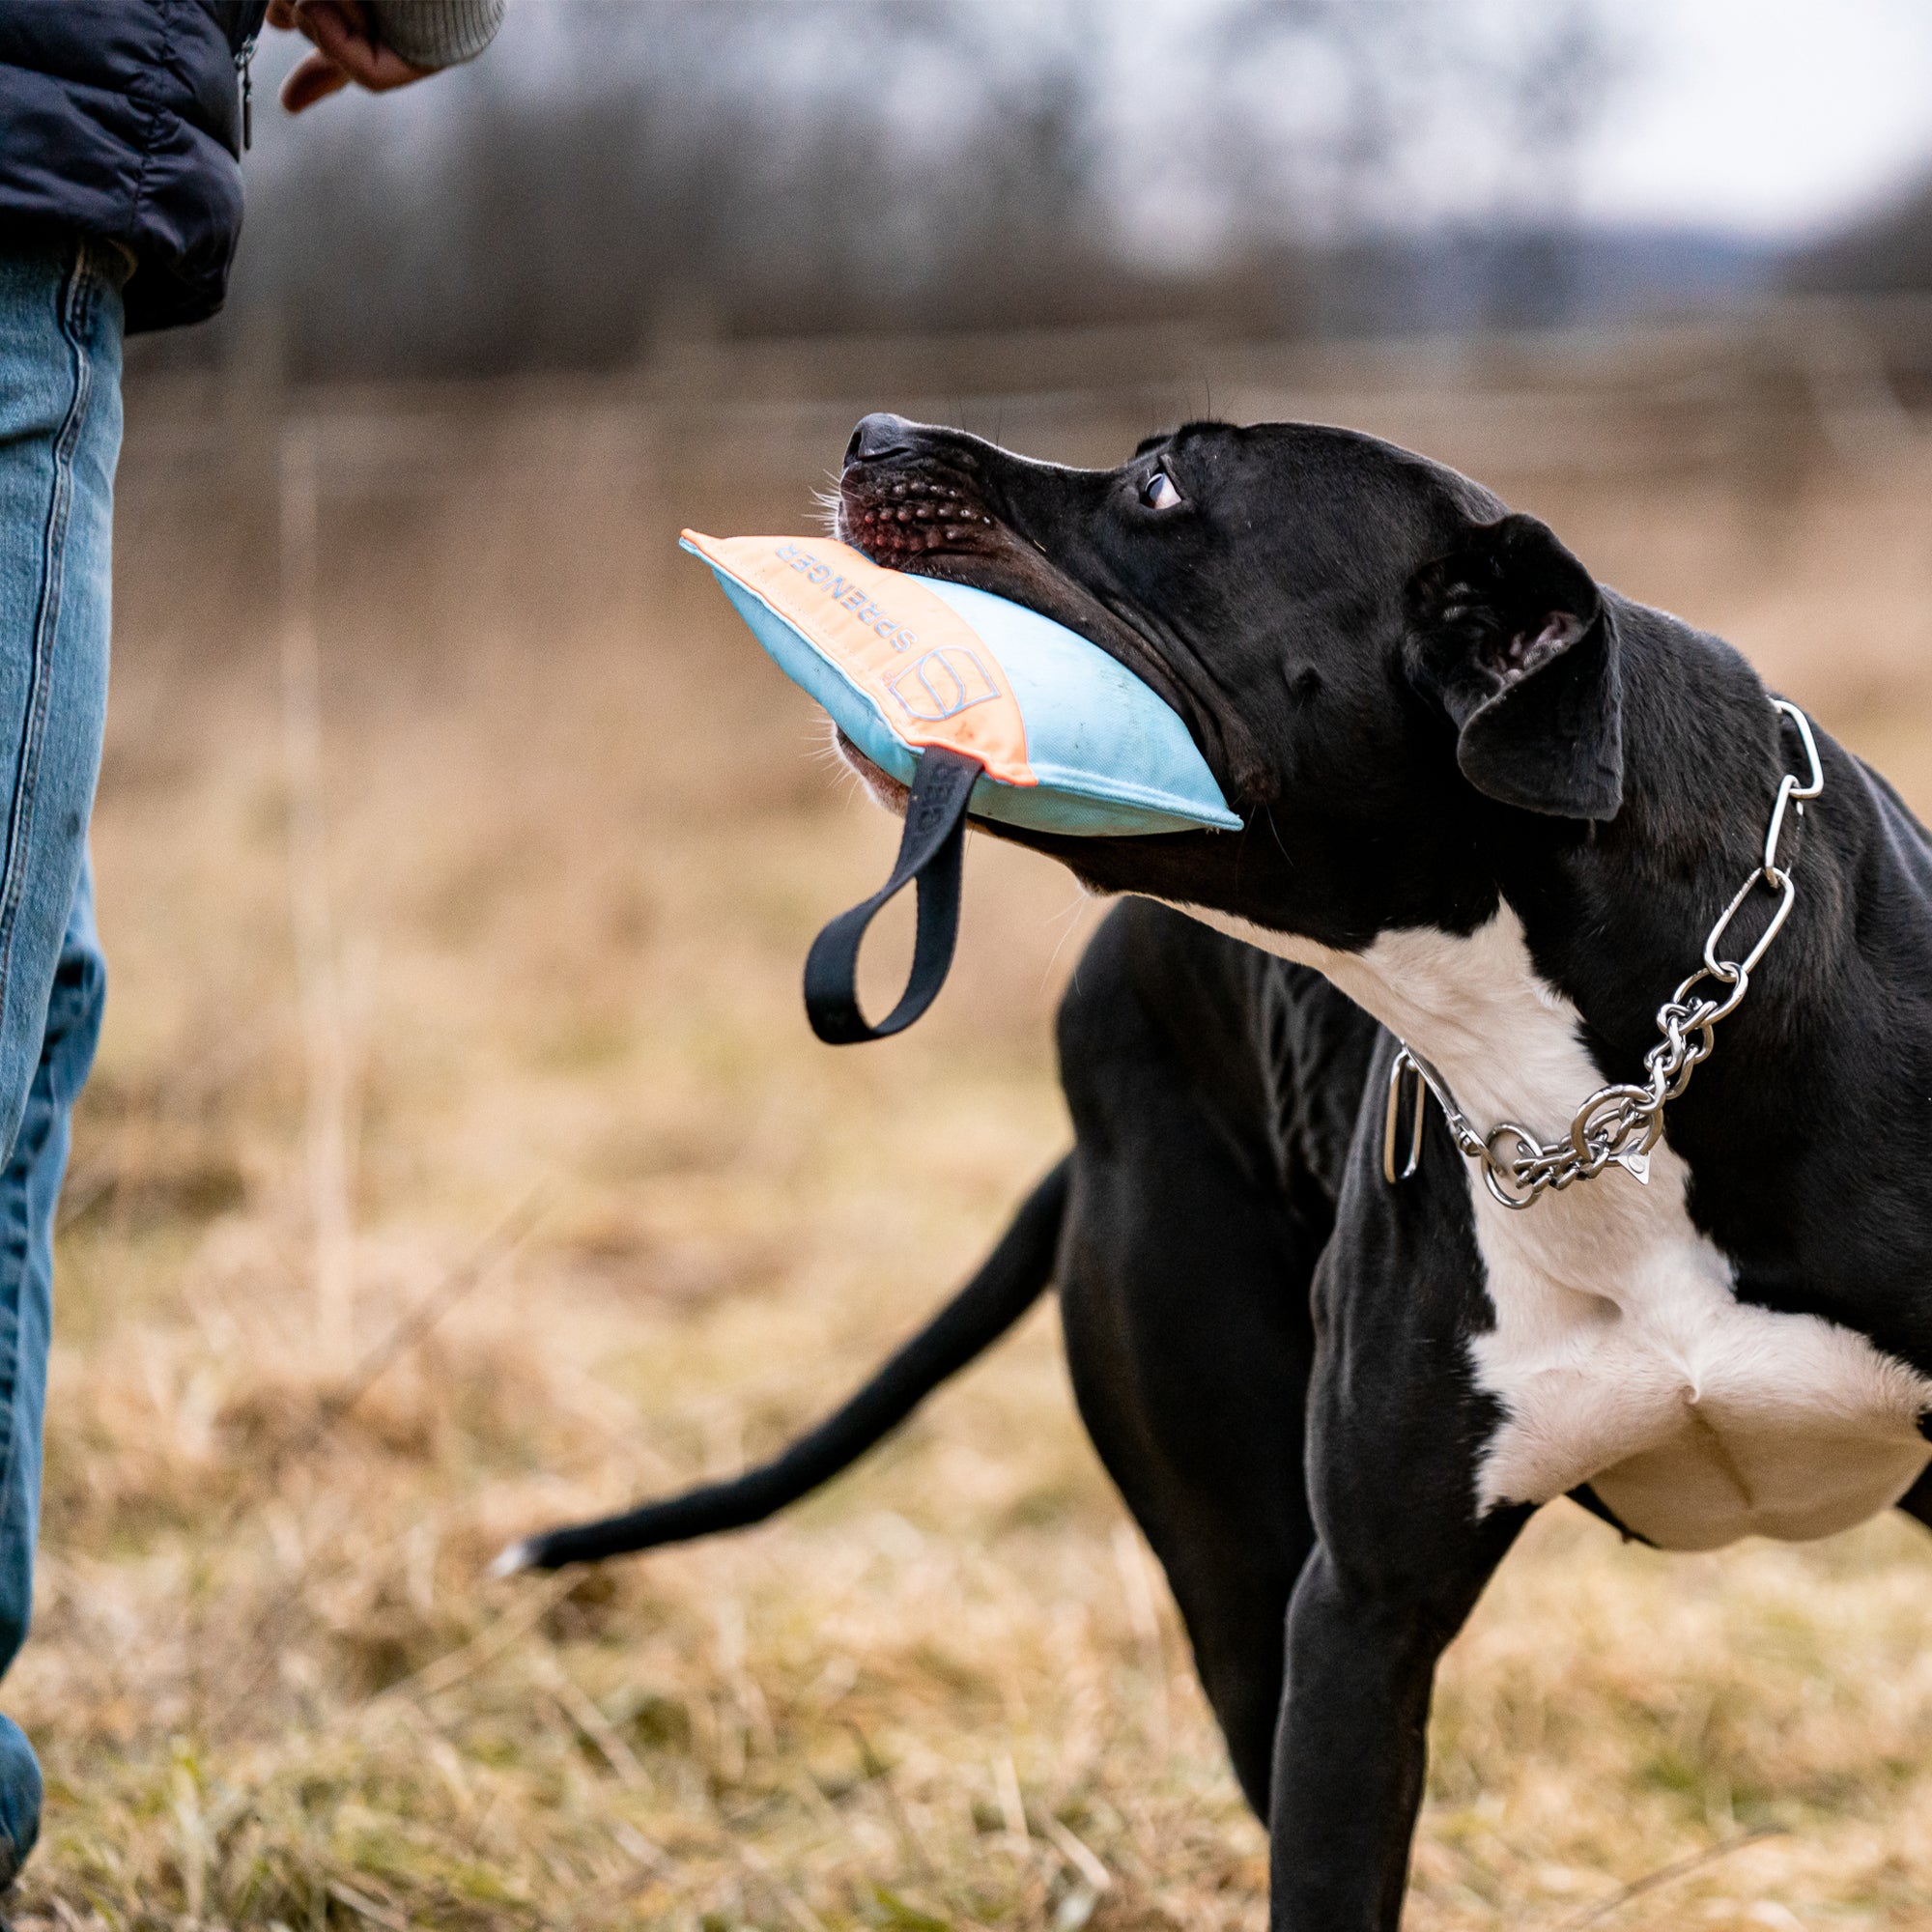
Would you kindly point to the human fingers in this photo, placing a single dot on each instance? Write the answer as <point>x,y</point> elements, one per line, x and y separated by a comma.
<point>314,79</point>
<point>341,30</point>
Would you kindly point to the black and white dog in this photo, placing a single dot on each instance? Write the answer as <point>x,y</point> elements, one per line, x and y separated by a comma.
<point>1493,810</point>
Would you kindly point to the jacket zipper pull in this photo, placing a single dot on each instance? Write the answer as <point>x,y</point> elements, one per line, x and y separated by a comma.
<point>244,68</point>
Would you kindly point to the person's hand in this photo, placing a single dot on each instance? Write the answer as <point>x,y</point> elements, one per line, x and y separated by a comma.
<point>345,49</point>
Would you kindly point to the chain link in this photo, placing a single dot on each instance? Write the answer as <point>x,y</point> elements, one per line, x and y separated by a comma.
<point>1618,1126</point>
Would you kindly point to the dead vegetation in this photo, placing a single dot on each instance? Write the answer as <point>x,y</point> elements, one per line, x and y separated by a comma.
<point>618,1223</point>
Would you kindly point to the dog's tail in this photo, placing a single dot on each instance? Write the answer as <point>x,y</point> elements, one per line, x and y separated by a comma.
<point>1014,1276</point>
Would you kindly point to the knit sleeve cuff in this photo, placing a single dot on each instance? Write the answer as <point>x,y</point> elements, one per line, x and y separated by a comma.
<point>436,33</point>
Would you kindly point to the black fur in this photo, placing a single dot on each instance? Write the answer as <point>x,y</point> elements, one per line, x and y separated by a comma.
<point>1424,708</point>
<point>1509,635</point>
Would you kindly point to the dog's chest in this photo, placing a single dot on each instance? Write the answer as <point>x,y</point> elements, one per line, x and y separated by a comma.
<point>1622,1357</point>
<point>1619,1355</point>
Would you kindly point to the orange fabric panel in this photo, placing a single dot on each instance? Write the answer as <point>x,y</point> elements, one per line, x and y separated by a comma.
<point>930,673</point>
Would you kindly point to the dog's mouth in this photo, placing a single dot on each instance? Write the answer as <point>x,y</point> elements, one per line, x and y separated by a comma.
<point>933,503</point>
<point>931,514</point>
<point>901,521</point>
<point>937,502</point>
<point>905,517</point>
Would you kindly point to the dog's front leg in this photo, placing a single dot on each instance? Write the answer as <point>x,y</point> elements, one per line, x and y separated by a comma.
<point>1349,1753</point>
<point>1395,1427</point>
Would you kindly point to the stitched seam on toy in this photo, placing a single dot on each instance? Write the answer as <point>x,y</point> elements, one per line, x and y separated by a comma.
<point>1127,791</point>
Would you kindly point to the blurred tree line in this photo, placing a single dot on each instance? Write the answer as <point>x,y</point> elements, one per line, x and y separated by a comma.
<point>1888,254</point>
<point>617,173</point>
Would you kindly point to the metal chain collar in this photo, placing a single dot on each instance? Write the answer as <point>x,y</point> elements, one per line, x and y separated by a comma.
<point>1616,1126</point>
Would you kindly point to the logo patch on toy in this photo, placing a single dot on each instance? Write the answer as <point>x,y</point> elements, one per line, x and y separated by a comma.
<point>942,685</point>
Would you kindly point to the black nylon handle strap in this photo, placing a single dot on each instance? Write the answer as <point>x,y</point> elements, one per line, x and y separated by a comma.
<point>933,852</point>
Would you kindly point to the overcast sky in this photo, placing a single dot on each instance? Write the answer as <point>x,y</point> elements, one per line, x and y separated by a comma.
<point>1780,118</point>
<point>1776,116</point>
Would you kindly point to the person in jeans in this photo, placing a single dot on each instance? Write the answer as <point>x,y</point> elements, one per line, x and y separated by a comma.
<point>121,130</point>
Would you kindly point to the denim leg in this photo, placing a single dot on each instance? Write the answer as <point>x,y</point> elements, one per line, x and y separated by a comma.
<point>60,436</point>
<point>29,1197</point>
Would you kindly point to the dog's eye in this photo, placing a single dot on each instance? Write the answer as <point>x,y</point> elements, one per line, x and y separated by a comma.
<point>1158,493</point>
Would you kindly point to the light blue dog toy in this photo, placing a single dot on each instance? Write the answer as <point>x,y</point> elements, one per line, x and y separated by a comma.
<point>978,706</point>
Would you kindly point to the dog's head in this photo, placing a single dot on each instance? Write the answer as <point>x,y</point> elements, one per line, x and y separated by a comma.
<point>1386,671</point>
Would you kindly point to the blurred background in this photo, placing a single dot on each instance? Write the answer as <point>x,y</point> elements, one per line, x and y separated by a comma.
<point>457,1157</point>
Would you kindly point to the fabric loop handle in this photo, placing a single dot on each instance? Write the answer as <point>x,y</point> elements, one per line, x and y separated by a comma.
<point>931,852</point>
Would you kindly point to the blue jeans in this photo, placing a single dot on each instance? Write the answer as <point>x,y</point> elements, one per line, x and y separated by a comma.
<point>60,435</point>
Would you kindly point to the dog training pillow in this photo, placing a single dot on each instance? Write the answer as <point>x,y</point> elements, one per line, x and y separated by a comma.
<point>1071,741</point>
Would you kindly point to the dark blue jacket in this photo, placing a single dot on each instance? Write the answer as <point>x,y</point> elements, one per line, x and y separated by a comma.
<point>120,120</point>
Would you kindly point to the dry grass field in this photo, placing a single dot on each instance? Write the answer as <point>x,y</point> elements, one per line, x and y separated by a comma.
<point>458,1159</point>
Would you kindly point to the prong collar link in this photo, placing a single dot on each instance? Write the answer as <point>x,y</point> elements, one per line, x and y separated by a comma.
<point>1616,1126</point>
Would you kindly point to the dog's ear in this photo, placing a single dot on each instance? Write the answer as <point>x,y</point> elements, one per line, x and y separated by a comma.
<point>1510,634</point>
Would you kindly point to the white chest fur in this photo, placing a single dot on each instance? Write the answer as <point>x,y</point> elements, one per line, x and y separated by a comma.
<point>1620,1355</point>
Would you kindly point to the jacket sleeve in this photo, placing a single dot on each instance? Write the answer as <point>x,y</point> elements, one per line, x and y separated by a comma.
<point>436,33</point>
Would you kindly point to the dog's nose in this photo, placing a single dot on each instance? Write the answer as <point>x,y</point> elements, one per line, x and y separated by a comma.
<point>880,436</point>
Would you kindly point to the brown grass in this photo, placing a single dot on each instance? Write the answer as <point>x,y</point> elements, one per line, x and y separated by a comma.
<point>577,837</point>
